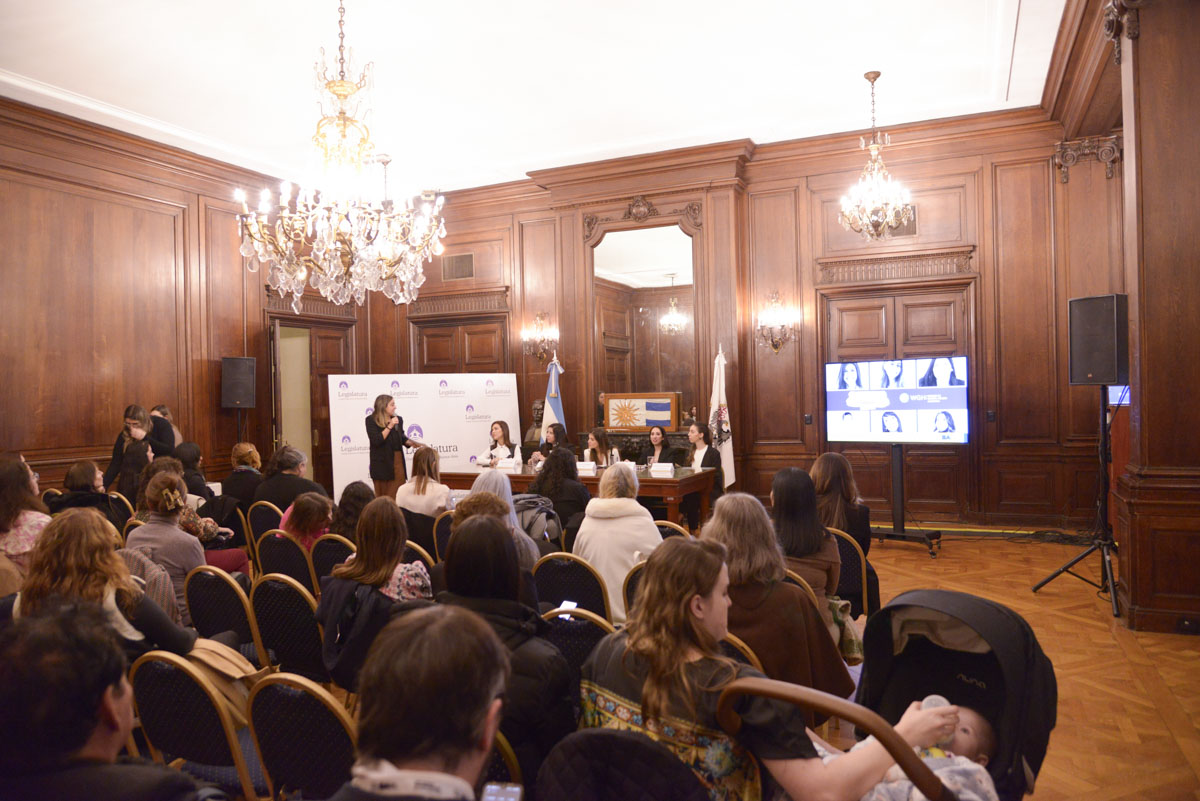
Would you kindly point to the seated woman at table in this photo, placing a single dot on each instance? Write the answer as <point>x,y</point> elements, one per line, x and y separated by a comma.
<point>499,446</point>
<point>702,455</point>
<point>659,451</point>
<point>556,437</point>
<point>598,449</point>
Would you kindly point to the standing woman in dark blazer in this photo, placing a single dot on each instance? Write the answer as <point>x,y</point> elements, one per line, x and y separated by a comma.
<point>702,454</point>
<point>385,433</point>
<point>139,425</point>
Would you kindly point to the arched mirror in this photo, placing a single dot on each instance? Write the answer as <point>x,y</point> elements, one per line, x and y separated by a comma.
<point>644,304</point>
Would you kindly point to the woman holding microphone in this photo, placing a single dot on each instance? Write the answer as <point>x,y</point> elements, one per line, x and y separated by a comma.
<point>385,432</point>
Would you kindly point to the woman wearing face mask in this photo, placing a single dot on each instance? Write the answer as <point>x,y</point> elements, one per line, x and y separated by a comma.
<point>659,451</point>
<point>499,446</point>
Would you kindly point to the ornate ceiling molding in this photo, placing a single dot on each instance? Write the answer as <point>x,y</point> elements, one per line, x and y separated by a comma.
<point>1121,16</point>
<point>310,306</point>
<point>485,301</point>
<point>1106,149</point>
<point>895,266</point>
<point>640,209</point>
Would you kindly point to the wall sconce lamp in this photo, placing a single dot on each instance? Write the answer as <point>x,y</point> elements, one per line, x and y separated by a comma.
<point>777,323</point>
<point>541,340</point>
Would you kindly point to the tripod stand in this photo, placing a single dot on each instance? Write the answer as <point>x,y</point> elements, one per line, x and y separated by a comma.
<point>1102,537</point>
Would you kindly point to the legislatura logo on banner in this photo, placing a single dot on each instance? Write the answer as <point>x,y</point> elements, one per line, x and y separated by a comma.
<point>470,415</point>
<point>396,392</point>
<point>490,389</point>
<point>347,446</point>
<point>415,430</point>
<point>445,391</point>
<point>473,459</point>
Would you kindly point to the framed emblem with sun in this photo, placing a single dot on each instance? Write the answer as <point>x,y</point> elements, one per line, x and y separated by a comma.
<point>638,411</point>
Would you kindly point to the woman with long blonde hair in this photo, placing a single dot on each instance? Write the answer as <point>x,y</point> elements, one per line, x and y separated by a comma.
<point>662,675</point>
<point>75,560</point>
<point>423,493</point>
<point>386,437</point>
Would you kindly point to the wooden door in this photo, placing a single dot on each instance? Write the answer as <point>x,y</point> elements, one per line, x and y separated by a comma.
<point>472,346</point>
<point>900,325</point>
<point>332,354</point>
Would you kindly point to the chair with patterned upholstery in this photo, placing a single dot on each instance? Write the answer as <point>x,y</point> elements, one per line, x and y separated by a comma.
<point>792,577</point>
<point>736,649</point>
<point>669,529</point>
<point>217,603</point>
<point>122,509</point>
<point>304,736</point>
<point>280,552</point>
<point>575,632</point>
<point>503,766</point>
<point>614,765</point>
<point>420,529</point>
<point>564,576</point>
<point>441,534</point>
<point>261,517</point>
<point>630,585</point>
<point>414,553</point>
<point>328,552</point>
<point>852,581</point>
<point>184,716</point>
<point>285,614</point>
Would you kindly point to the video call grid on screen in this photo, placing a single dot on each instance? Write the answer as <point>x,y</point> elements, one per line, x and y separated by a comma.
<point>897,400</point>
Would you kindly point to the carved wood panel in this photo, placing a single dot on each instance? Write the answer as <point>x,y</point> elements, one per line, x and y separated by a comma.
<point>930,324</point>
<point>861,328</point>
<point>437,349</point>
<point>483,347</point>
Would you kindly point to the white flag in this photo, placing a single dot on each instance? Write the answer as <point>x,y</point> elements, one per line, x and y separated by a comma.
<point>718,418</point>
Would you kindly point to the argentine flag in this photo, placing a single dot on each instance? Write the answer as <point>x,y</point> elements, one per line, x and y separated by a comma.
<point>553,411</point>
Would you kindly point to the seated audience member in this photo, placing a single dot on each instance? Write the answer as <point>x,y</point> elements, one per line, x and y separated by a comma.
<point>361,595</point>
<point>243,482</point>
<point>75,561</point>
<point>164,411</point>
<point>133,462</point>
<point>598,450</point>
<point>663,673</point>
<point>170,547</point>
<point>559,481</point>
<point>499,446</point>
<point>776,619</point>
<point>556,437</point>
<point>482,575</point>
<point>83,489</point>
<point>355,497</point>
<point>838,506</point>
<point>497,483</point>
<point>617,532</point>
<point>23,516</point>
<point>422,493</point>
<point>808,548</point>
<point>308,518</point>
<point>66,711</point>
<point>444,668</point>
<point>659,451</point>
<point>284,479</point>
<point>486,504</point>
<point>189,456</point>
<point>139,427</point>
<point>702,454</point>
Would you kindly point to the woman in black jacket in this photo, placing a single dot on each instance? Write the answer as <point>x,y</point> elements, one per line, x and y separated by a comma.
<point>139,426</point>
<point>702,455</point>
<point>84,490</point>
<point>385,434</point>
<point>559,481</point>
<point>482,575</point>
<point>659,451</point>
<point>839,506</point>
<point>193,471</point>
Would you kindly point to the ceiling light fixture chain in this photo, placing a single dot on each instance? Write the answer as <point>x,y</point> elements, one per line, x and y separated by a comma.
<point>877,204</point>
<point>332,237</point>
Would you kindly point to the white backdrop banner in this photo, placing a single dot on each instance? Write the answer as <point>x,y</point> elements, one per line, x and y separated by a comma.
<point>452,412</point>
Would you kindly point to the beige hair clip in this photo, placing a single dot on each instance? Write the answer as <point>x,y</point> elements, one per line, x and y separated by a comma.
<point>171,499</point>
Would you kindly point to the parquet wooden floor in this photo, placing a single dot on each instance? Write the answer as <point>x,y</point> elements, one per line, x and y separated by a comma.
<point>1128,702</point>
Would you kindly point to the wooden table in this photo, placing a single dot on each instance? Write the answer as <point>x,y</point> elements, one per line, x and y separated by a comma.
<point>669,491</point>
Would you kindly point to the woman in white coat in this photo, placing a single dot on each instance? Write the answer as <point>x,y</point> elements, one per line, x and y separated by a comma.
<point>617,532</point>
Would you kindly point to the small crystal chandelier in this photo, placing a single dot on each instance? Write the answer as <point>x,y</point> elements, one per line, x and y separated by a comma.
<point>332,238</point>
<point>776,323</point>
<point>673,322</point>
<point>877,204</point>
<point>541,339</point>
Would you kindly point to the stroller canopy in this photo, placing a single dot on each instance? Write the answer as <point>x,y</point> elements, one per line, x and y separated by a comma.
<point>976,653</point>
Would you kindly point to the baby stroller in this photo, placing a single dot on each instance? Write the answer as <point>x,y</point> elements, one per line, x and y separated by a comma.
<point>976,653</point>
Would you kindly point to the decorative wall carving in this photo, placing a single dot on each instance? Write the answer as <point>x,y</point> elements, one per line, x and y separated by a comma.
<point>894,266</point>
<point>693,212</point>
<point>1106,149</point>
<point>639,209</point>
<point>481,302</point>
<point>309,307</point>
<point>1121,16</point>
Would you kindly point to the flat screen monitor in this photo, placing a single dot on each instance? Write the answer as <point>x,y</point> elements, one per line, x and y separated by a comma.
<point>898,400</point>
<point>1118,395</point>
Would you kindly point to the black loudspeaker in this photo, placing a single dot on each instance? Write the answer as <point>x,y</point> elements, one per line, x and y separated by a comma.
<point>237,382</point>
<point>1099,332</point>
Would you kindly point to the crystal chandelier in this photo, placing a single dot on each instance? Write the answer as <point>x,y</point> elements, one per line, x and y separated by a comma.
<point>877,204</point>
<point>332,238</point>
<point>673,322</point>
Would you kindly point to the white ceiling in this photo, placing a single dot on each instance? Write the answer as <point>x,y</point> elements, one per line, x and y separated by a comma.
<point>469,93</point>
